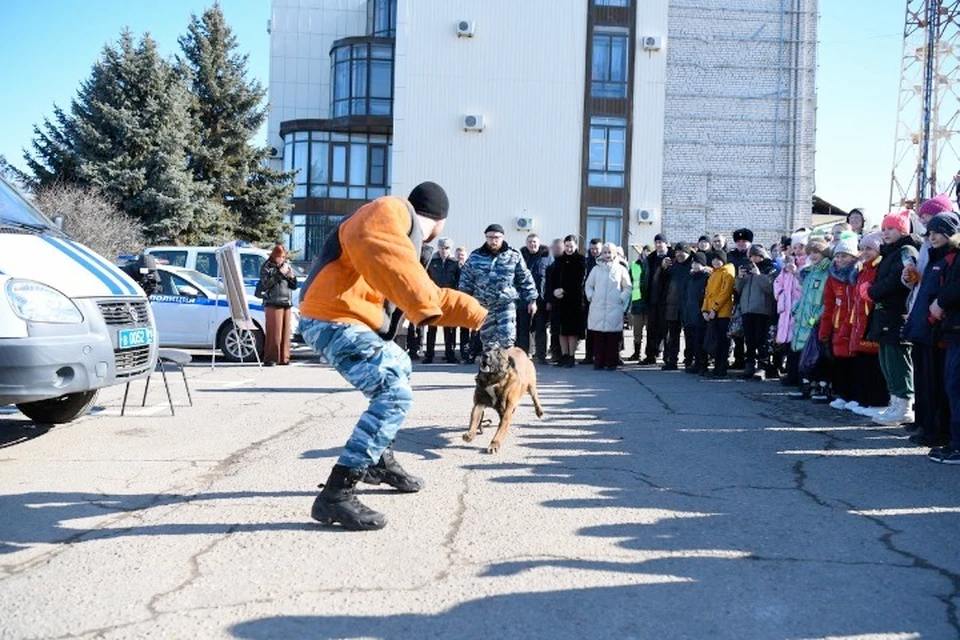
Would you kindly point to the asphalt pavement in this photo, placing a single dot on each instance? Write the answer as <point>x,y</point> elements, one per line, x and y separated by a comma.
<point>646,504</point>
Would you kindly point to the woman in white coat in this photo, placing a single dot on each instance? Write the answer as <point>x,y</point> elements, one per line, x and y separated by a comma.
<point>608,290</point>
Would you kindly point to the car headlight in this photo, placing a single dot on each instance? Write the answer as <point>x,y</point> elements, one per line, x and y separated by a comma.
<point>36,302</point>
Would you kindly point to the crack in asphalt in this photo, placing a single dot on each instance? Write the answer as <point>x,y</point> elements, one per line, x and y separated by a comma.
<point>919,562</point>
<point>886,539</point>
<point>195,572</point>
<point>666,405</point>
<point>450,540</point>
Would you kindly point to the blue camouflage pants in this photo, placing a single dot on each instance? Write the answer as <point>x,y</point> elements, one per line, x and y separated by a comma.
<point>381,370</point>
<point>500,326</point>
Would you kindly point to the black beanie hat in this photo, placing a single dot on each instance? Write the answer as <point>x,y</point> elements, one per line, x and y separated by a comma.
<point>430,201</point>
<point>743,234</point>
<point>700,258</point>
<point>660,237</point>
<point>495,228</point>
<point>703,239</point>
<point>717,254</point>
<point>945,224</point>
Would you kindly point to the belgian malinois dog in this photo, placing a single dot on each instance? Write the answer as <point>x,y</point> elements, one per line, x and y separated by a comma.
<point>505,375</point>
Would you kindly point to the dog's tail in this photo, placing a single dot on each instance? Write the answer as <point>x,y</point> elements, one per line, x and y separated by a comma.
<point>536,400</point>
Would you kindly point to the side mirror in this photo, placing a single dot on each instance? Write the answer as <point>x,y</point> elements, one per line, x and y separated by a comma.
<point>58,221</point>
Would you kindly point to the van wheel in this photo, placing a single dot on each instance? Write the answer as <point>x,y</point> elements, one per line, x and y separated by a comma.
<point>59,410</point>
<point>237,346</point>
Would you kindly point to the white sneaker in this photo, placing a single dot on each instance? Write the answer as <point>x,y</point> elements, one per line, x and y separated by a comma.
<point>878,414</point>
<point>901,412</point>
<point>853,405</point>
<point>839,404</point>
<point>868,412</point>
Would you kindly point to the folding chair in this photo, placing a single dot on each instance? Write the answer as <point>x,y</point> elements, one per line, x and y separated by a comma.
<point>175,357</point>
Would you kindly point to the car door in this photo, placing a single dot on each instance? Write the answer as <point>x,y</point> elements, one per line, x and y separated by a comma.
<point>182,312</point>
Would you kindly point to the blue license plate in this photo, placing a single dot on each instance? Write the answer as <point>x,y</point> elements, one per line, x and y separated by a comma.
<point>130,338</point>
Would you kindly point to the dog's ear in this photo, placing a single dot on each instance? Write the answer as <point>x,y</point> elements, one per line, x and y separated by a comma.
<point>511,362</point>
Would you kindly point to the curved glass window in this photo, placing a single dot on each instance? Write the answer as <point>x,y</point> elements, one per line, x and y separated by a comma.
<point>382,18</point>
<point>338,165</point>
<point>362,80</point>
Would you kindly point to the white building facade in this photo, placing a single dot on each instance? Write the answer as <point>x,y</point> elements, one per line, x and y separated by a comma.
<point>616,119</point>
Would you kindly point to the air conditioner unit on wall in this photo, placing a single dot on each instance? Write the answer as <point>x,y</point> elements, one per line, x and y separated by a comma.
<point>466,28</point>
<point>473,123</point>
<point>646,216</point>
<point>652,43</point>
<point>525,223</point>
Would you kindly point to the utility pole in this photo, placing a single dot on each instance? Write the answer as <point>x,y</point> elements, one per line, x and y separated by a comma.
<point>926,154</point>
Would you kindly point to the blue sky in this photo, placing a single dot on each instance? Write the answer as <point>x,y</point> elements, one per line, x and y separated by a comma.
<point>48,46</point>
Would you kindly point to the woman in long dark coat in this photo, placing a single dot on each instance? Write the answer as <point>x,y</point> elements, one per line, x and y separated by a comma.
<point>565,288</point>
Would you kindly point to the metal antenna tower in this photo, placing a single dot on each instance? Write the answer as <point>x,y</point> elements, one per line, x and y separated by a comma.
<point>926,156</point>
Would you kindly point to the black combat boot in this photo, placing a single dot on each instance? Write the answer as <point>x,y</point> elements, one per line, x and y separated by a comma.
<point>388,470</point>
<point>338,503</point>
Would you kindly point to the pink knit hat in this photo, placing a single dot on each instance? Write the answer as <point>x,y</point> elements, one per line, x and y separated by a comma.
<point>933,206</point>
<point>899,220</point>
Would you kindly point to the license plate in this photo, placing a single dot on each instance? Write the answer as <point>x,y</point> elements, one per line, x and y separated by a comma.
<point>130,338</point>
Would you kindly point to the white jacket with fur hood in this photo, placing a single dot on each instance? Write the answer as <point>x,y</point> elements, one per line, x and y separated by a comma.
<point>608,291</point>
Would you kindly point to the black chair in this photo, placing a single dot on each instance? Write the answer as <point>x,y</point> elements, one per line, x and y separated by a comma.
<point>175,357</point>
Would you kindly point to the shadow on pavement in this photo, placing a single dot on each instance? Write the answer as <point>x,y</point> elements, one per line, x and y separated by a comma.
<point>30,519</point>
<point>713,533</point>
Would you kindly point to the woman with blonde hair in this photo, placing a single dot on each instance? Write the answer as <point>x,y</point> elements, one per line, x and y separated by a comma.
<point>608,290</point>
<point>277,281</point>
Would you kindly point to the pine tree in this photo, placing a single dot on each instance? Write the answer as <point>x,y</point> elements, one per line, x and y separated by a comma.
<point>227,111</point>
<point>56,159</point>
<point>127,136</point>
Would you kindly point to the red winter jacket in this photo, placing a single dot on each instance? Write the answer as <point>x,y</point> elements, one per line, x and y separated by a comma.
<point>862,308</point>
<point>835,321</point>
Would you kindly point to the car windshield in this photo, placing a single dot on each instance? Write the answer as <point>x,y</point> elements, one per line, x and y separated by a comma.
<point>14,208</point>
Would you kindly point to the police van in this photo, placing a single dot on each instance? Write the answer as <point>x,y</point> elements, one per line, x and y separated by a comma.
<point>70,322</point>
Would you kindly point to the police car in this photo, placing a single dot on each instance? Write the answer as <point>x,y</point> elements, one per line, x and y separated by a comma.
<point>191,311</point>
<point>204,260</point>
<point>70,322</point>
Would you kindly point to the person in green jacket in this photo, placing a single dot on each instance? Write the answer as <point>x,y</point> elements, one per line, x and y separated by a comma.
<point>638,302</point>
<point>807,312</point>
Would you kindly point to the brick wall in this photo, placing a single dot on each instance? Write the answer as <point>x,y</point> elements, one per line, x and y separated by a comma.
<point>740,116</point>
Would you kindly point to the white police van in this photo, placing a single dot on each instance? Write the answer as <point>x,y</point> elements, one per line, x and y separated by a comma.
<point>70,322</point>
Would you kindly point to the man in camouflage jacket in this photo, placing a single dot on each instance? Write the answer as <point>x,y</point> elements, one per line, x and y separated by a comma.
<point>497,276</point>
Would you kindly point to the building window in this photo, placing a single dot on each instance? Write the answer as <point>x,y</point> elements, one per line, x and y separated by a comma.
<point>612,3</point>
<point>308,232</point>
<point>362,80</point>
<point>609,66</point>
<point>338,165</point>
<point>608,152</point>
<point>605,223</point>
<point>382,18</point>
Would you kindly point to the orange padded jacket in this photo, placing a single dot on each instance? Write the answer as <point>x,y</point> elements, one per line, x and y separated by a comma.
<point>372,260</point>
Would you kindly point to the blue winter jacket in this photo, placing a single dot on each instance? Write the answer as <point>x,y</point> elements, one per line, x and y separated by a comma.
<point>497,279</point>
<point>918,329</point>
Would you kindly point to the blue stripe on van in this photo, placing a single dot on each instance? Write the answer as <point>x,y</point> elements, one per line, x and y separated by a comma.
<point>108,268</point>
<point>66,250</point>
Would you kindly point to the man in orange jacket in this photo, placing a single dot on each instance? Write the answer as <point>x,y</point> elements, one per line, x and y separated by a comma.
<point>367,271</point>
